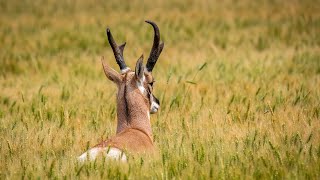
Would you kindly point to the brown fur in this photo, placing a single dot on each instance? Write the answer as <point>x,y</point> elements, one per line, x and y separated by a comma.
<point>131,139</point>
<point>137,106</point>
<point>134,133</point>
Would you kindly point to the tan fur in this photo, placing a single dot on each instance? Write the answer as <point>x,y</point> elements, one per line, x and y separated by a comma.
<point>133,140</point>
<point>134,133</point>
<point>138,106</point>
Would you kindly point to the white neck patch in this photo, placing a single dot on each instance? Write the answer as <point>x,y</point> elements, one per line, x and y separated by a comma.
<point>125,70</point>
<point>140,85</point>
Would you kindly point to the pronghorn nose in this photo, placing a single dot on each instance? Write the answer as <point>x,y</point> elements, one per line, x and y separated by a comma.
<point>155,104</point>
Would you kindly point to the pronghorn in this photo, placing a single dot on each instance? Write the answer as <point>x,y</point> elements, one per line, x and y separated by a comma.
<point>135,102</point>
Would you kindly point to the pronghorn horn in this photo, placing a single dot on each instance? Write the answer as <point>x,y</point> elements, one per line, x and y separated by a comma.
<point>156,47</point>
<point>117,51</point>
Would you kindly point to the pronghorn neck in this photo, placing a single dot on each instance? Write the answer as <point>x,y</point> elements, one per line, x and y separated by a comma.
<point>132,109</point>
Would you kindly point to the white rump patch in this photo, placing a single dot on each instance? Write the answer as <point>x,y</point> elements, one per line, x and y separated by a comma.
<point>109,153</point>
<point>90,155</point>
<point>116,154</point>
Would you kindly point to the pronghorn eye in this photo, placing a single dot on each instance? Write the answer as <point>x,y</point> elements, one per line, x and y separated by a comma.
<point>151,84</point>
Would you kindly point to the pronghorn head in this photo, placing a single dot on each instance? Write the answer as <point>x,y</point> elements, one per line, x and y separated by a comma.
<point>135,86</point>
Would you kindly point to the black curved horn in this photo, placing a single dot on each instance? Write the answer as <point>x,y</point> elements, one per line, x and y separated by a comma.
<point>156,47</point>
<point>117,51</point>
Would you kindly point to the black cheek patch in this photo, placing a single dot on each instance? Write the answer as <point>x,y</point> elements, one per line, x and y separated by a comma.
<point>156,100</point>
<point>148,92</point>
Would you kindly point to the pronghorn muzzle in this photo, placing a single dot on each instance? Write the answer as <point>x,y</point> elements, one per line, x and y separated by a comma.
<point>155,104</point>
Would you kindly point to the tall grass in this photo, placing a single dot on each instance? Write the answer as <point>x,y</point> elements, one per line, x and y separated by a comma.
<point>238,83</point>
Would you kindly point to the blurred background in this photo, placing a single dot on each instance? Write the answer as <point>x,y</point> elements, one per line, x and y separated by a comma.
<point>238,83</point>
<point>37,31</point>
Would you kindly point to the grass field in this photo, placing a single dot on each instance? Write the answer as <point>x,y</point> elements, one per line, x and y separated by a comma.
<point>238,81</point>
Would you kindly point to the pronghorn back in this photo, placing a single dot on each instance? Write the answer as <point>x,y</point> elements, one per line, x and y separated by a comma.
<point>133,140</point>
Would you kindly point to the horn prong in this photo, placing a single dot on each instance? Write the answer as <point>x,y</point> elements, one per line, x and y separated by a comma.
<point>117,51</point>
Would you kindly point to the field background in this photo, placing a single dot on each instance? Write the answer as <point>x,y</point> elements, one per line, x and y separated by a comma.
<point>239,84</point>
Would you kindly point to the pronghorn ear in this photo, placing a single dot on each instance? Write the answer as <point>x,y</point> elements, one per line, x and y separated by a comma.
<point>111,73</point>
<point>139,69</point>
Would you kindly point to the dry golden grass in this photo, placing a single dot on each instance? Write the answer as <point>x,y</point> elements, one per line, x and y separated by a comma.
<point>238,83</point>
